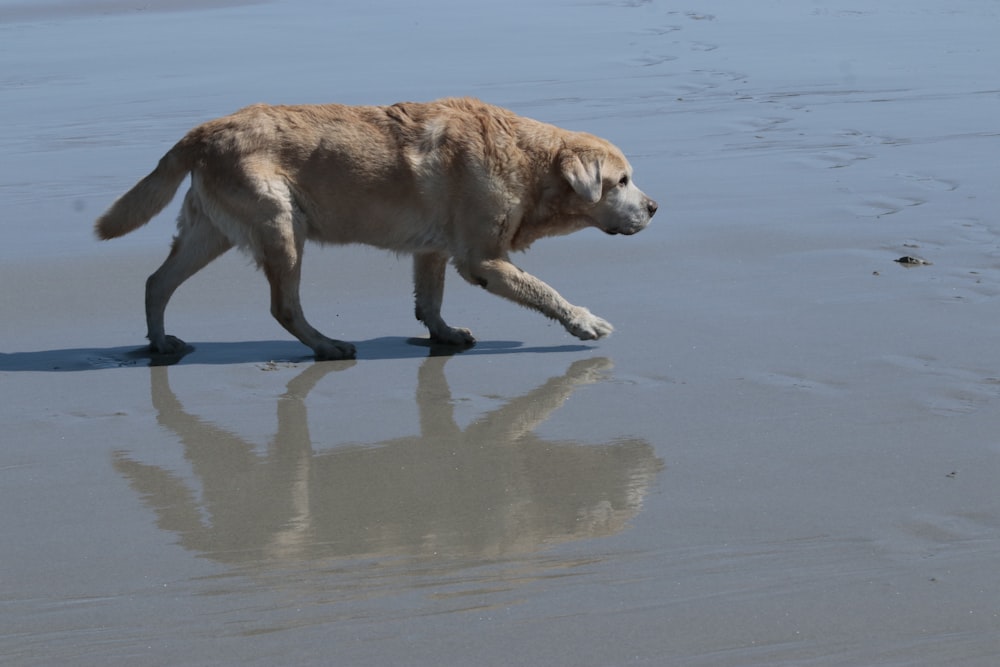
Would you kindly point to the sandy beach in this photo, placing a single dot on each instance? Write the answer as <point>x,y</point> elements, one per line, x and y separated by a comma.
<point>787,453</point>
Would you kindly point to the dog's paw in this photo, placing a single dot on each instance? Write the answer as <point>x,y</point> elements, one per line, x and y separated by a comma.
<point>454,336</point>
<point>587,326</point>
<point>334,350</point>
<point>167,345</point>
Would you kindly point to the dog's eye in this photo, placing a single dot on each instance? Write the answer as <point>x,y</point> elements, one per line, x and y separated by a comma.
<point>624,181</point>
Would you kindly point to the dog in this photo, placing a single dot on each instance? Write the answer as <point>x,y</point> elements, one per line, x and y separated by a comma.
<point>455,179</point>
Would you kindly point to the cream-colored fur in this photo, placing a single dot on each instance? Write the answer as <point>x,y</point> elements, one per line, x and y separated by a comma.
<point>453,179</point>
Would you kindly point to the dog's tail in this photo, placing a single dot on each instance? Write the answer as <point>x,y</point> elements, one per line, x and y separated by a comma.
<point>152,194</point>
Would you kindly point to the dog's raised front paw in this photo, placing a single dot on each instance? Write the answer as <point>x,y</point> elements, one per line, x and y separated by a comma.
<point>587,326</point>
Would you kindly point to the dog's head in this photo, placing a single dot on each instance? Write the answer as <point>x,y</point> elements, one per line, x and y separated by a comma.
<point>601,177</point>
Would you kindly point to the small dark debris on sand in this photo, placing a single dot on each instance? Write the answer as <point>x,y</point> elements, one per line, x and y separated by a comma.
<point>909,261</point>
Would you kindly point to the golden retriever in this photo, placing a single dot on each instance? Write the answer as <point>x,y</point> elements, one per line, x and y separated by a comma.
<point>454,179</point>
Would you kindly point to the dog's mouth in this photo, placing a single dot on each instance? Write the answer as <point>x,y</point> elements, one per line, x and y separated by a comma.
<point>626,227</point>
<point>629,231</point>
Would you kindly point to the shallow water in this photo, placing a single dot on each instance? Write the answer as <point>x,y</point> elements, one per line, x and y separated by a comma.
<point>787,454</point>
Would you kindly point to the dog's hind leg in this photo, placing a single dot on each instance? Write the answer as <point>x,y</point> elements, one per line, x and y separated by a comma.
<point>280,257</point>
<point>428,288</point>
<point>197,243</point>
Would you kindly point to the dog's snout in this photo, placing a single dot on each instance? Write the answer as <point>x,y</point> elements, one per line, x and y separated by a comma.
<point>651,206</point>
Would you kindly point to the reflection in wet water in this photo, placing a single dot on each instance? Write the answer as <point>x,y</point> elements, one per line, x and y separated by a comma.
<point>492,490</point>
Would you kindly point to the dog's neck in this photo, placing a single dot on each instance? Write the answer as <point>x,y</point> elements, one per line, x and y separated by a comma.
<point>550,214</point>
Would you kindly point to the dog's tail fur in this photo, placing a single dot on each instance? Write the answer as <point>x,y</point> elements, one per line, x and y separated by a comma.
<point>152,194</point>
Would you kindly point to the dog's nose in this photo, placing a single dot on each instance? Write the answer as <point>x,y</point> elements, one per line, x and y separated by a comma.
<point>651,207</point>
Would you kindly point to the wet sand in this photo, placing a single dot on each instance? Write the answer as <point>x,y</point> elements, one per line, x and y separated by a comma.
<point>786,454</point>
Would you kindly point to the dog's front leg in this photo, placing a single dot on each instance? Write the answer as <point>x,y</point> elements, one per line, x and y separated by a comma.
<point>428,290</point>
<point>502,278</point>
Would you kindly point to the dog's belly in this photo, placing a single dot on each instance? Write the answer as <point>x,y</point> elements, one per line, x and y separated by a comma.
<point>397,231</point>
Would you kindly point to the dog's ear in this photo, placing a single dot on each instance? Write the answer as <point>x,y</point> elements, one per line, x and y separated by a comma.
<point>583,174</point>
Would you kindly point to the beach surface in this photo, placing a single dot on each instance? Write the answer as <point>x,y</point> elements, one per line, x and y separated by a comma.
<point>787,454</point>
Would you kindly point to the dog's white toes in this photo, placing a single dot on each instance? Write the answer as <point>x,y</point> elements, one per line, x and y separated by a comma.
<point>587,326</point>
<point>602,327</point>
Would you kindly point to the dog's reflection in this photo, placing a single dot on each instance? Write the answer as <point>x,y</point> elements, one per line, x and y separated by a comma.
<point>491,490</point>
